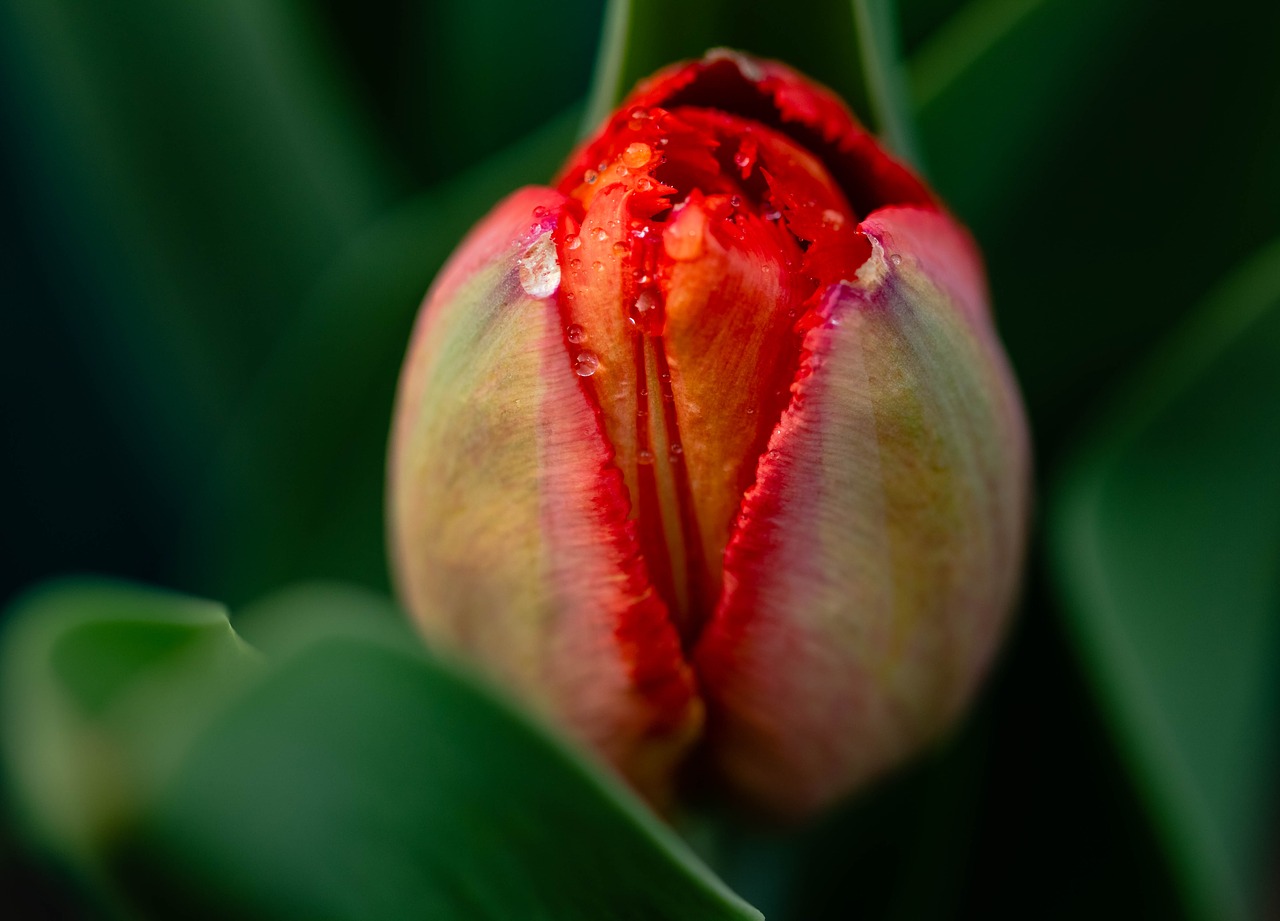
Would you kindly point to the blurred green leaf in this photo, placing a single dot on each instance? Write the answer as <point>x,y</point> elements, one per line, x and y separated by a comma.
<point>81,662</point>
<point>880,55</point>
<point>992,87</point>
<point>346,775</point>
<point>1166,539</point>
<point>295,489</point>
<point>197,164</point>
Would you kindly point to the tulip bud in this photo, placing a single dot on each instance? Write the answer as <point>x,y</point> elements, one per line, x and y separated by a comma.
<point>711,448</point>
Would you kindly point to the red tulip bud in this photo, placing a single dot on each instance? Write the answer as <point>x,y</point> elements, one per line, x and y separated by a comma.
<point>711,448</point>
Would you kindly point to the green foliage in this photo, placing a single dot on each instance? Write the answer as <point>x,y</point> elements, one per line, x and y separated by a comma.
<point>341,773</point>
<point>221,218</point>
<point>1167,540</point>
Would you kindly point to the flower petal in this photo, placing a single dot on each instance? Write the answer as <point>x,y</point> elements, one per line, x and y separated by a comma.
<point>508,518</point>
<point>877,556</point>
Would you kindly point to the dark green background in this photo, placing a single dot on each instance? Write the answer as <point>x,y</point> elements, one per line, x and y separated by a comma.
<point>219,218</point>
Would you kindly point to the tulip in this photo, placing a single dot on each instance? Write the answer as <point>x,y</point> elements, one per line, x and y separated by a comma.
<point>710,451</point>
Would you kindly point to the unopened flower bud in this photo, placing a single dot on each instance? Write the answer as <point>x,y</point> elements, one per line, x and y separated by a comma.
<point>712,446</point>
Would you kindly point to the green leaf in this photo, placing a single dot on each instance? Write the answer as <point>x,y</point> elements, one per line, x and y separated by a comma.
<point>885,77</point>
<point>295,488</point>
<point>81,663</point>
<point>195,165</point>
<point>1166,540</point>
<point>992,88</point>
<point>349,774</point>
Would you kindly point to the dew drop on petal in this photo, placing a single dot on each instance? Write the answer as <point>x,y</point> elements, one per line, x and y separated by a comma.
<point>636,155</point>
<point>645,457</point>
<point>601,235</point>
<point>896,259</point>
<point>540,211</point>
<point>575,333</point>
<point>572,241</point>
<point>539,268</point>
<point>590,176</point>
<point>620,249</point>
<point>586,363</point>
<point>598,266</point>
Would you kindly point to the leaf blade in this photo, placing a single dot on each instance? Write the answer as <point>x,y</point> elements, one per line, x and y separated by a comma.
<point>1165,536</point>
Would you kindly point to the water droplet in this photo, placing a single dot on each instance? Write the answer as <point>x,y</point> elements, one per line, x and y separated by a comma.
<point>575,333</point>
<point>644,184</point>
<point>590,176</point>
<point>572,241</point>
<point>833,218</point>
<point>539,268</point>
<point>773,215</point>
<point>620,249</point>
<point>575,263</point>
<point>620,170</point>
<point>751,410</point>
<point>540,211</point>
<point>636,155</point>
<point>677,449</point>
<point>598,266</point>
<point>601,235</point>
<point>586,363</point>
<point>665,375</point>
<point>896,259</point>
<point>735,201</point>
<point>645,457</point>
<point>742,160</point>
